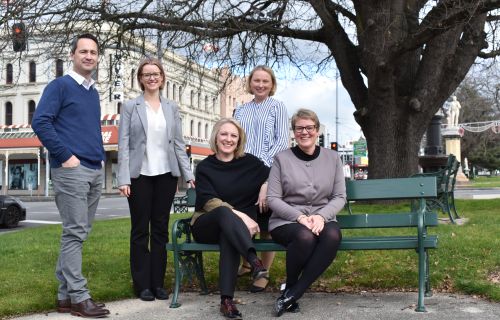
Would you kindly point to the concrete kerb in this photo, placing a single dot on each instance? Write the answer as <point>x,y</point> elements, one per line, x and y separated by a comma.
<point>364,305</point>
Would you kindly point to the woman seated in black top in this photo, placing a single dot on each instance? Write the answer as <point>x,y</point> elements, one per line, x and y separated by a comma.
<point>227,188</point>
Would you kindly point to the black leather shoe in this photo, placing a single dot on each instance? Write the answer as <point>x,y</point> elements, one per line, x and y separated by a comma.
<point>64,306</point>
<point>88,309</point>
<point>161,294</point>
<point>146,295</point>
<point>228,309</point>
<point>283,303</point>
<point>294,308</point>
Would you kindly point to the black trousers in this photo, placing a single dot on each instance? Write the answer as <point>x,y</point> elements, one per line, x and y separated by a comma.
<point>150,202</point>
<point>221,226</point>
<point>307,255</point>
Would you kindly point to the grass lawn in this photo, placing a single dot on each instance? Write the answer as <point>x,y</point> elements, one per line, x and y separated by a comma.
<point>486,182</point>
<point>467,261</point>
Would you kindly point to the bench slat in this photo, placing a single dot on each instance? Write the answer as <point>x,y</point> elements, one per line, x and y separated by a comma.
<point>391,189</point>
<point>390,220</point>
<point>351,243</point>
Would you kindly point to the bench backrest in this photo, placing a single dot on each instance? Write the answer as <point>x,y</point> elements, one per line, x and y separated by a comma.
<point>389,220</point>
<point>391,189</point>
<point>191,197</point>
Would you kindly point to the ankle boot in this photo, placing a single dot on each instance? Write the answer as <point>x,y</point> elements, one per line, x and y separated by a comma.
<point>228,309</point>
<point>284,303</point>
<point>258,270</point>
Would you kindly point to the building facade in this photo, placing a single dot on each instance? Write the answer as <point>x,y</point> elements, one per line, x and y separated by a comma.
<point>23,76</point>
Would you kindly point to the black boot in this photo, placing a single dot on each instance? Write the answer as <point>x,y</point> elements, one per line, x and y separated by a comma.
<point>284,303</point>
<point>258,270</point>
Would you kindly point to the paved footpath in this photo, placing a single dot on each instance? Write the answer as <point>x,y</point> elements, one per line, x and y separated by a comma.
<point>314,306</point>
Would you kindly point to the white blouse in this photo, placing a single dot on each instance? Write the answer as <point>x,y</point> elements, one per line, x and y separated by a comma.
<point>155,161</point>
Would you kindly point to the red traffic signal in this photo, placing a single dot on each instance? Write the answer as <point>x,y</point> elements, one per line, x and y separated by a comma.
<point>334,146</point>
<point>188,150</point>
<point>19,37</point>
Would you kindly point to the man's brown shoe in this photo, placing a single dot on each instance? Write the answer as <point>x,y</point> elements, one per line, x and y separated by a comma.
<point>64,306</point>
<point>88,309</point>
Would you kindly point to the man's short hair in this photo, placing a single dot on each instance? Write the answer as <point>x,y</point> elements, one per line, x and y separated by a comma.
<point>74,43</point>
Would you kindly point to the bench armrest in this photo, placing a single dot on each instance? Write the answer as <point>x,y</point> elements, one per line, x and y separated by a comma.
<point>181,228</point>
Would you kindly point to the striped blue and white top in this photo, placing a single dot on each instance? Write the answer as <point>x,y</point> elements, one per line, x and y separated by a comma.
<point>266,127</point>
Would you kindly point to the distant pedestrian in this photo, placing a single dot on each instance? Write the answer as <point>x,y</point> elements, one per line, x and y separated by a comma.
<point>68,123</point>
<point>265,122</point>
<point>151,157</point>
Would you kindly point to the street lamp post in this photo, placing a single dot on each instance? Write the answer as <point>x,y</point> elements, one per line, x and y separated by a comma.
<point>337,106</point>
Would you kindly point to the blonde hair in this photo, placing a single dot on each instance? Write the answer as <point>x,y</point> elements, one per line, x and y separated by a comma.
<point>303,113</point>
<point>153,61</point>
<point>240,148</point>
<point>269,71</point>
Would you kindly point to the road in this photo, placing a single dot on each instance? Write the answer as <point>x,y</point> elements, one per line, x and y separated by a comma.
<point>45,212</point>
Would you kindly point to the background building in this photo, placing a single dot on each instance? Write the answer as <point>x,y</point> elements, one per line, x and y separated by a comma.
<point>198,91</point>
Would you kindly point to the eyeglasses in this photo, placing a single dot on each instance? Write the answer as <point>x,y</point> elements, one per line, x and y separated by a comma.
<point>309,129</point>
<point>155,75</point>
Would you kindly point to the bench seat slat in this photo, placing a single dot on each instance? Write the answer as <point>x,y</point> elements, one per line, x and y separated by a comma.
<point>352,243</point>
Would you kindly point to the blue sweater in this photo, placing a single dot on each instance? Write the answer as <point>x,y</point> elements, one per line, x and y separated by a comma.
<point>68,122</point>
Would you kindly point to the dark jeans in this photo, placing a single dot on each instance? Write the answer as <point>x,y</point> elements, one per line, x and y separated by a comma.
<point>307,255</point>
<point>221,226</point>
<point>150,201</point>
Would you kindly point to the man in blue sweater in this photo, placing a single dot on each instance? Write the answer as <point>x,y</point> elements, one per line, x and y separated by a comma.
<point>67,122</point>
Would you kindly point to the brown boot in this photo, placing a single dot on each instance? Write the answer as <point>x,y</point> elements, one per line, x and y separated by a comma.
<point>88,309</point>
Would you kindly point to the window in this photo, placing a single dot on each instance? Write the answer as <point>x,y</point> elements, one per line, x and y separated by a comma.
<point>180,94</point>
<point>10,76</point>
<point>213,104</point>
<point>31,110</point>
<point>167,90</point>
<point>206,131</point>
<point>59,68</point>
<point>192,98</point>
<point>206,103</point>
<point>174,91</point>
<point>32,76</point>
<point>8,113</point>
<point>118,108</point>
<point>132,78</point>
<point>199,129</point>
<point>199,100</point>
<point>192,128</point>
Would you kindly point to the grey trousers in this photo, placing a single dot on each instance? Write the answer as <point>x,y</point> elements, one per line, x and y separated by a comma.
<point>77,191</point>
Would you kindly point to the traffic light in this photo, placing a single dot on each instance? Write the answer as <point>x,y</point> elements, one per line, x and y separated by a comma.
<point>19,37</point>
<point>188,150</point>
<point>321,140</point>
<point>334,146</point>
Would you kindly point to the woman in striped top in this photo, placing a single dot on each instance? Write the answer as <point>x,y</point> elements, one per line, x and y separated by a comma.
<point>265,122</point>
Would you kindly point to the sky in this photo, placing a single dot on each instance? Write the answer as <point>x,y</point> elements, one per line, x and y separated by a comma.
<point>318,94</point>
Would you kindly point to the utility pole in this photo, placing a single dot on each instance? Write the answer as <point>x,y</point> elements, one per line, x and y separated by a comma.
<point>337,106</point>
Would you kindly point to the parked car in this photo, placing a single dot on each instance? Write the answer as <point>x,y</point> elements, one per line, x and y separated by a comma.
<point>12,210</point>
<point>361,175</point>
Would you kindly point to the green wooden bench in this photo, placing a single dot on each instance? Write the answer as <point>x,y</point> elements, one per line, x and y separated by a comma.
<point>188,259</point>
<point>182,203</point>
<point>446,179</point>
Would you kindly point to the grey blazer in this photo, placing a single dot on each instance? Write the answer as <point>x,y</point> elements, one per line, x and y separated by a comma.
<point>132,140</point>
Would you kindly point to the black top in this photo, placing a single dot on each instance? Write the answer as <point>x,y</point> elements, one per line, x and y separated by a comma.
<point>236,182</point>
<point>304,156</point>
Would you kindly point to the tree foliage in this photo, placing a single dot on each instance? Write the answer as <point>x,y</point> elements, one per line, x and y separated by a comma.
<point>398,60</point>
<point>479,99</point>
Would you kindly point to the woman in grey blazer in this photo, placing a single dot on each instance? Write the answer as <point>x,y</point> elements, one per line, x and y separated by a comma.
<point>151,157</point>
<point>306,190</point>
